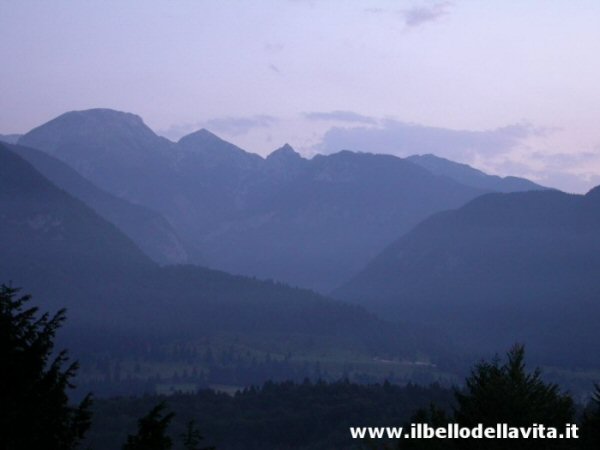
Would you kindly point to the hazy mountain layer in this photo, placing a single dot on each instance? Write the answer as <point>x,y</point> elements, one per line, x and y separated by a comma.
<point>9,138</point>
<point>67,256</point>
<point>148,229</point>
<point>329,216</point>
<point>469,176</point>
<point>312,223</point>
<point>504,268</point>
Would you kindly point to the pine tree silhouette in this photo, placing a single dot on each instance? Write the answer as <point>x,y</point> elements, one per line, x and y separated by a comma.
<point>507,393</point>
<point>151,434</point>
<point>497,393</point>
<point>34,406</point>
<point>192,437</point>
<point>590,428</point>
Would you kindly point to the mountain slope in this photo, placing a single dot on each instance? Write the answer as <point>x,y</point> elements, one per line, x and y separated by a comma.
<point>311,223</point>
<point>9,138</point>
<point>214,151</point>
<point>194,184</point>
<point>503,268</point>
<point>150,232</point>
<point>67,256</point>
<point>56,245</point>
<point>116,151</point>
<point>320,226</point>
<point>469,176</point>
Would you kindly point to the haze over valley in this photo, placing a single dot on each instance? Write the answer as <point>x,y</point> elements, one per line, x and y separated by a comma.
<point>328,224</point>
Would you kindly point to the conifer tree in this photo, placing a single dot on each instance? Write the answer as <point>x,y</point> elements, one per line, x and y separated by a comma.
<point>34,406</point>
<point>507,393</point>
<point>498,393</point>
<point>192,438</point>
<point>590,428</point>
<point>152,429</point>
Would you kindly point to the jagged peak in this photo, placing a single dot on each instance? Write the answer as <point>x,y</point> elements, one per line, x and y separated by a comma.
<point>286,151</point>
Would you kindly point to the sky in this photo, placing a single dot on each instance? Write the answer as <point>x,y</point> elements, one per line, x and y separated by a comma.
<point>508,86</point>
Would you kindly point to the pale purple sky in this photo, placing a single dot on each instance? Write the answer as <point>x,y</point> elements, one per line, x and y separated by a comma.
<point>511,87</point>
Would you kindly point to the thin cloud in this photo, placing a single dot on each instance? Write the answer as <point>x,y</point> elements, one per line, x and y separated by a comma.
<point>341,116</point>
<point>504,151</point>
<point>570,182</point>
<point>235,126</point>
<point>568,171</point>
<point>564,178</point>
<point>420,15</point>
<point>403,139</point>
<point>564,159</point>
<point>232,126</point>
<point>178,130</point>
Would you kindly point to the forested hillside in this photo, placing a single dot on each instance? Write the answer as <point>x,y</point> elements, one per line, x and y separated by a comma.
<point>504,268</point>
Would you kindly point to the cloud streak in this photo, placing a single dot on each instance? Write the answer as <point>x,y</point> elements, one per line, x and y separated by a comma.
<point>420,15</point>
<point>571,171</point>
<point>340,116</point>
<point>403,139</point>
<point>236,126</point>
<point>231,126</point>
<point>563,171</point>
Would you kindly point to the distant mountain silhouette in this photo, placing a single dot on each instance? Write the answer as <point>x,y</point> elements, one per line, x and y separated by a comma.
<point>284,164</point>
<point>217,152</point>
<point>9,138</point>
<point>116,151</point>
<point>469,176</point>
<point>195,183</point>
<point>503,268</point>
<point>319,225</point>
<point>148,229</point>
<point>312,223</point>
<point>56,245</point>
<point>68,256</point>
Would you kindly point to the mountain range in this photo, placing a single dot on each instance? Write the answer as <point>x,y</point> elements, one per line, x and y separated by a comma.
<point>66,255</point>
<point>103,216</point>
<point>307,222</point>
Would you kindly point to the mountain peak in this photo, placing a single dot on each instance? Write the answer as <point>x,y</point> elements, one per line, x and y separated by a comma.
<point>201,136</point>
<point>107,113</point>
<point>285,152</point>
<point>216,151</point>
<point>100,116</point>
<point>96,126</point>
<point>204,140</point>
